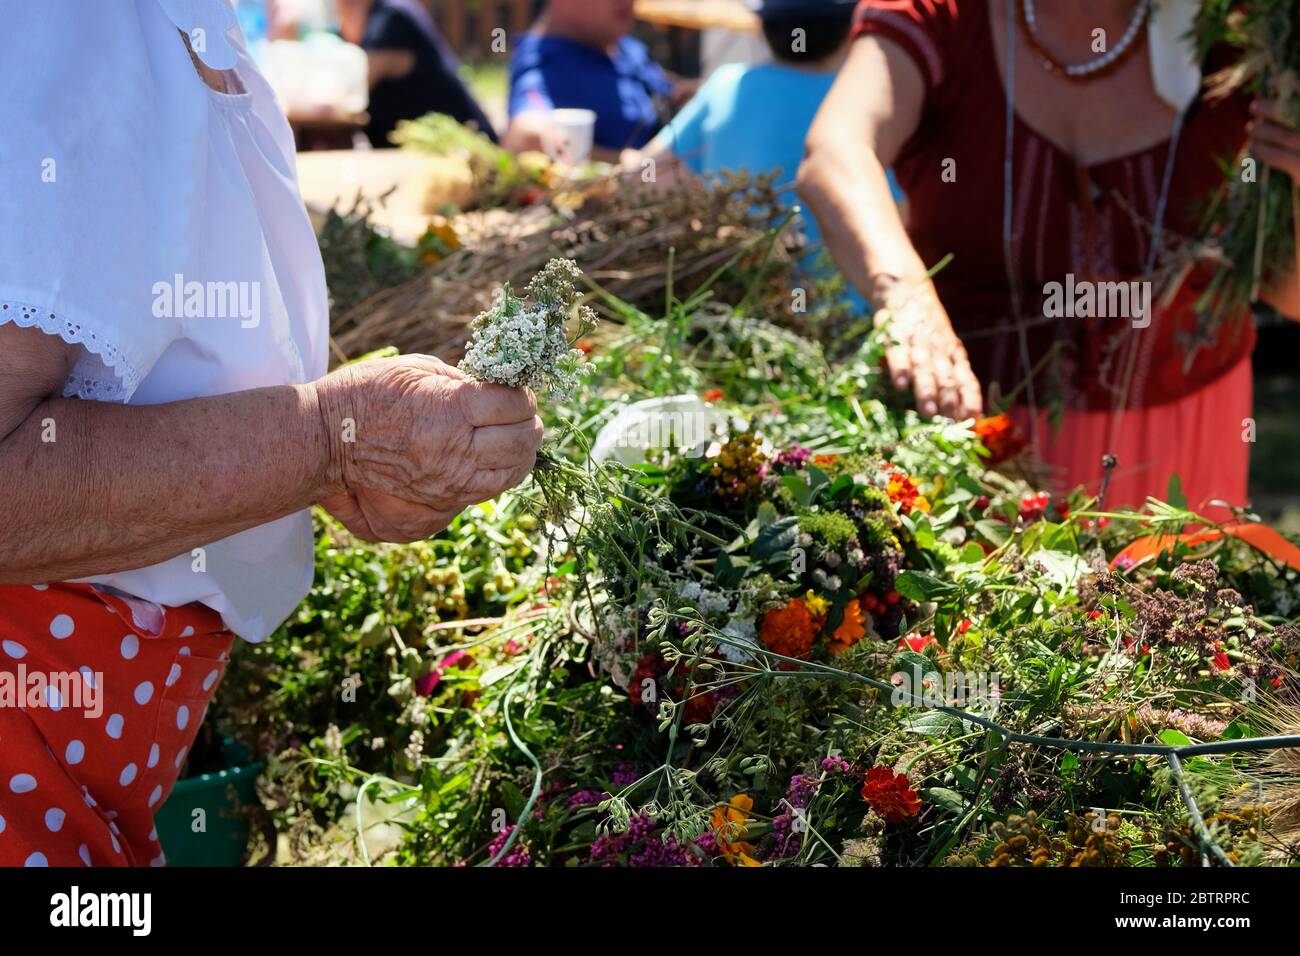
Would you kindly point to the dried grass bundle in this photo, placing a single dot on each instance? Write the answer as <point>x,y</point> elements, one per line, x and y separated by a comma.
<point>619,231</point>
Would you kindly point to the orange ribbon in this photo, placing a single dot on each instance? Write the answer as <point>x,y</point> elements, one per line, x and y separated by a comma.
<point>1259,536</point>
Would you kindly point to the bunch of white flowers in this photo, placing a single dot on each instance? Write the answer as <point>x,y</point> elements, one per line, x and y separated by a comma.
<point>520,344</point>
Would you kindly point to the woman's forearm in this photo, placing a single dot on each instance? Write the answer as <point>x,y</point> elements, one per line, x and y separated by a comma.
<point>848,194</point>
<point>94,487</point>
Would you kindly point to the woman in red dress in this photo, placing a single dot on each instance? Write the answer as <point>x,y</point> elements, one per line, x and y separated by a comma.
<point>1036,161</point>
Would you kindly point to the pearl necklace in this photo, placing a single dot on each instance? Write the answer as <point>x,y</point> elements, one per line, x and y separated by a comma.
<point>1093,68</point>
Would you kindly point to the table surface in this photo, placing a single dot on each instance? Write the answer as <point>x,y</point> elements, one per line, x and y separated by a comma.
<point>698,14</point>
<point>333,177</point>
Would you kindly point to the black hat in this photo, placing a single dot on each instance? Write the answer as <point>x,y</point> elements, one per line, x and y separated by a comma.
<point>787,9</point>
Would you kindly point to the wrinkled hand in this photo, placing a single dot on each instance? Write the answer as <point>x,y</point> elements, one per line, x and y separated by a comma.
<point>414,441</point>
<point>927,355</point>
<point>1274,139</point>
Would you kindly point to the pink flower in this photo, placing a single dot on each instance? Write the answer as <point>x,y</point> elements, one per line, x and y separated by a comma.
<point>426,685</point>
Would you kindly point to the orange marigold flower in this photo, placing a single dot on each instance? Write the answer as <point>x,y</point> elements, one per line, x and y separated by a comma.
<point>729,826</point>
<point>851,629</point>
<point>713,395</point>
<point>789,631</point>
<point>821,461</point>
<point>998,433</point>
<point>890,795</point>
<point>902,490</point>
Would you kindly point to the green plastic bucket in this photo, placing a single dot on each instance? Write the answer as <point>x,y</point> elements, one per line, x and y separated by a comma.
<point>221,795</point>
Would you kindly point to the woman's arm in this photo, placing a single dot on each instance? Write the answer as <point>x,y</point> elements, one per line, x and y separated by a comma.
<point>871,111</point>
<point>94,487</point>
<point>1275,141</point>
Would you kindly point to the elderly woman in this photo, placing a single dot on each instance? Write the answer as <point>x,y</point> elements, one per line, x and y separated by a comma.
<point>1044,144</point>
<point>165,419</point>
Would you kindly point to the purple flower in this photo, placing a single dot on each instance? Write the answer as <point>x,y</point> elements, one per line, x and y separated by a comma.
<point>518,855</point>
<point>834,765</point>
<point>625,774</point>
<point>796,456</point>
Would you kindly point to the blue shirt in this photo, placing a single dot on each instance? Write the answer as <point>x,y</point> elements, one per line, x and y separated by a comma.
<point>754,118</point>
<point>548,72</point>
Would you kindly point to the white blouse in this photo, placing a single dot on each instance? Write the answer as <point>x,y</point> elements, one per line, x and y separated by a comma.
<point>156,224</point>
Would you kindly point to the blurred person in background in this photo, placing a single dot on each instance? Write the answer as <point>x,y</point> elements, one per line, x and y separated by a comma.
<point>755,117</point>
<point>1112,154</point>
<point>578,55</point>
<point>413,71</point>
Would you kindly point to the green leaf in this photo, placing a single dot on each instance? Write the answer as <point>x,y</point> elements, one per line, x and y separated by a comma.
<point>995,532</point>
<point>798,488</point>
<point>373,630</point>
<point>1064,569</point>
<point>1175,738</point>
<point>932,723</point>
<point>946,800</point>
<point>1174,494</point>
<point>911,659</point>
<point>776,538</point>
<point>919,586</point>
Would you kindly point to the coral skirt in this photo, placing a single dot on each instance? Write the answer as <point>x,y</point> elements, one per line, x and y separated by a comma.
<point>101,697</point>
<point>1204,438</point>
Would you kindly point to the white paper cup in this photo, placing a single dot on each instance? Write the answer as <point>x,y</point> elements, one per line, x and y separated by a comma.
<point>571,136</point>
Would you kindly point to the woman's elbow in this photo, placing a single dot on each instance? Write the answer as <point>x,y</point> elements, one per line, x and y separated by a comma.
<point>810,180</point>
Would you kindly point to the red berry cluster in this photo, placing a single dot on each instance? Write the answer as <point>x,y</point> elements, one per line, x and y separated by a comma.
<point>1033,507</point>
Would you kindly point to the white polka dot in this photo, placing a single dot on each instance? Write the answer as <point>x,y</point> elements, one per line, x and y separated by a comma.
<point>84,852</point>
<point>153,757</point>
<point>153,834</point>
<point>36,859</point>
<point>74,752</point>
<point>40,587</point>
<point>180,757</point>
<point>61,626</point>
<point>173,675</point>
<point>130,646</point>
<point>117,847</point>
<point>88,676</point>
<point>184,652</point>
<point>90,801</point>
<point>155,795</point>
<point>114,726</point>
<point>53,697</point>
<point>54,819</point>
<point>182,717</point>
<point>143,692</point>
<point>159,860</point>
<point>210,680</point>
<point>187,632</point>
<point>22,783</point>
<point>2,824</point>
<point>14,649</point>
<point>127,776</point>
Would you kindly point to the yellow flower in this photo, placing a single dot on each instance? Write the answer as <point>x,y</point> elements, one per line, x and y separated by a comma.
<point>818,606</point>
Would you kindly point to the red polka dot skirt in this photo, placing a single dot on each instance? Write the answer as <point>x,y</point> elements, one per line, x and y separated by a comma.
<point>100,701</point>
